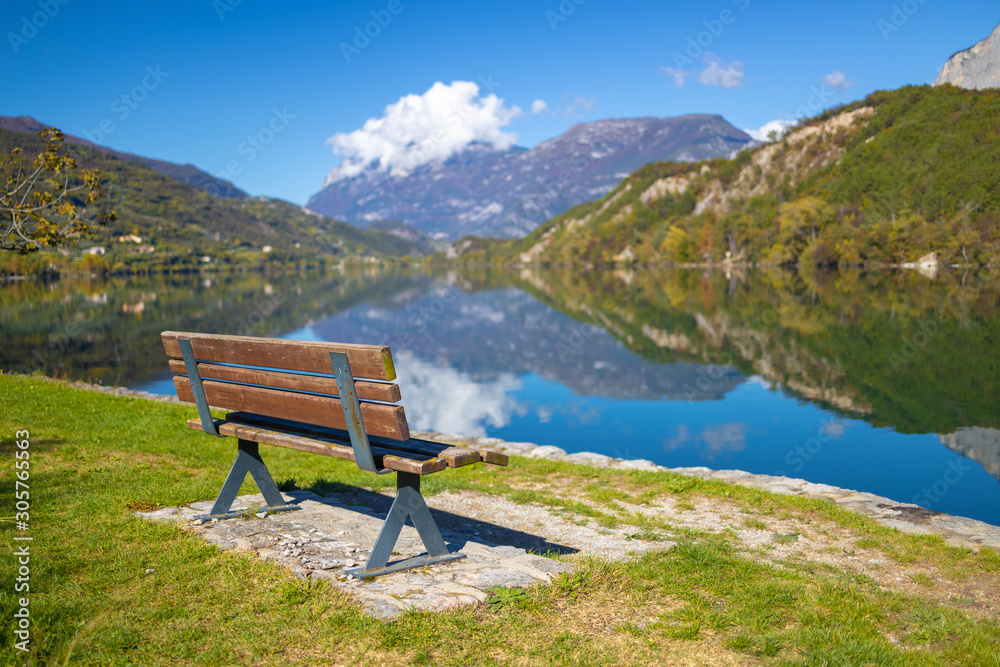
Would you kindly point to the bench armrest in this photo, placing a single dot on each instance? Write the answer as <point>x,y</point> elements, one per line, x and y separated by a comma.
<point>352,413</point>
<point>207,423</point>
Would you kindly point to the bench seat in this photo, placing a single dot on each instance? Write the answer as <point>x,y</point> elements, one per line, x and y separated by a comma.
<point>419,457</point>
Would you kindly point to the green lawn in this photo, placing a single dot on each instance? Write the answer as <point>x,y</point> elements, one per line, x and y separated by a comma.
<point>95,457</point>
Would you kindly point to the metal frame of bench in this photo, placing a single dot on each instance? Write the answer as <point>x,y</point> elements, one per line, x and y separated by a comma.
<point>247,457</point>
<point>408,503</point>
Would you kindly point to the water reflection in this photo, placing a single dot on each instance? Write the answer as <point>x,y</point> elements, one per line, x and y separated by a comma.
<point>109,331</point>
<point>977,443</point>
<point>491,333</point>
<point>894,349</point>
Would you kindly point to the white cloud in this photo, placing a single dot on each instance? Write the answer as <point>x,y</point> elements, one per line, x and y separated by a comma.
<point>420,128</point>
<point>730,76</point>
<point>539,106</point>
<point>779,126</point>
<point>680,75</point>
<point>837,80</point>
<point>578,104</point>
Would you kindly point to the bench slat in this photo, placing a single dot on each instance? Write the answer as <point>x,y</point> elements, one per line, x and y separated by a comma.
<point>391,459</point>
<point>372,391</point>
<point>367,361</point>
<point>456,457</point>
<point>388,421</point>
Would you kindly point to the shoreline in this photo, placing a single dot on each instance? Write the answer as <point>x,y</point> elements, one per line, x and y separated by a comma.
<point>908,518</point>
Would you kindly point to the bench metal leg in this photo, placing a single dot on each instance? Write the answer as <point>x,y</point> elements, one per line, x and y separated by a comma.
<point>408,503</point>
<point>247,461</point>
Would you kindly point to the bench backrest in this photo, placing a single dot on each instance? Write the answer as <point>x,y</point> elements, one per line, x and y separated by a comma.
<point>288,379</point>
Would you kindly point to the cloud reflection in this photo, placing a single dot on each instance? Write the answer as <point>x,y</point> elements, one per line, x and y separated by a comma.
<point>716,439</point>
<point>443,399</point>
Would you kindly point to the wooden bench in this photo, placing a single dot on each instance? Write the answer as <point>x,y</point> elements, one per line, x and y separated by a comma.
<point>304,396</point>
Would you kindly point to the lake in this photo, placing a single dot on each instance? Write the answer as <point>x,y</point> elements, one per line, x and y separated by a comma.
<point>881,382</point>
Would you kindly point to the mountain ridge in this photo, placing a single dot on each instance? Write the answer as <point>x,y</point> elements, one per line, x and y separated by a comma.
<point>186,173</point>
<point>508,193</point>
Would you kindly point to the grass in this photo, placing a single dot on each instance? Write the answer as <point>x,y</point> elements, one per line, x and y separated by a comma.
<point>111,589</point>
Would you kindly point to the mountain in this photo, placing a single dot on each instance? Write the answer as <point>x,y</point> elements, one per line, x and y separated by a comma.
<point>905,178</point>
<point>508,193</point>
<point>179,225</point>
<point>185,173</point>
<point>976,67</point>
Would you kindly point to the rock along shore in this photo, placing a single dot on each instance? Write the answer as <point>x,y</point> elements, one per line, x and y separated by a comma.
<point>906,517</point>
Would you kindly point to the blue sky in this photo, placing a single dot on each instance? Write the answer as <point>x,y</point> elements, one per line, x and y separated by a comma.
<point>212,73</point>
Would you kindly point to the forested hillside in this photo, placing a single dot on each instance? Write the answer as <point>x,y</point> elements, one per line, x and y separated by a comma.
<point>883,181</point>
<point>179,225</point>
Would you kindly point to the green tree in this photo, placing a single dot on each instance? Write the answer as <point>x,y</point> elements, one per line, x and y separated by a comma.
<point>48,202</point>
<point>799,224</point>
<point>678,246</point>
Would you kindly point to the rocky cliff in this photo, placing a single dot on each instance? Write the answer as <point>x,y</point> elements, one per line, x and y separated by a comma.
<point>977,67</point>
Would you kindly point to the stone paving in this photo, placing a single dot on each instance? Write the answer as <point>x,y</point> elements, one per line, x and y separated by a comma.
<point>330,535</point>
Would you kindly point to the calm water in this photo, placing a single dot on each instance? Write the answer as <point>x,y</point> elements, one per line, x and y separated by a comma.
<point>885,383</point>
